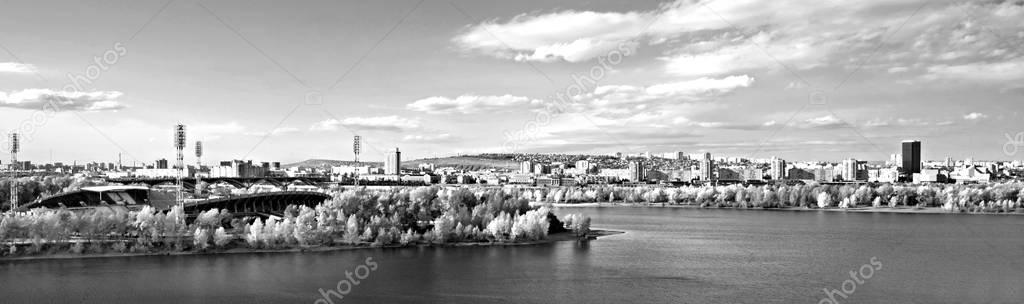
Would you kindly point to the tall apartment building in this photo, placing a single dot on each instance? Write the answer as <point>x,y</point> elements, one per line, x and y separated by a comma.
<point>393,164</point>
<point>707,167</point>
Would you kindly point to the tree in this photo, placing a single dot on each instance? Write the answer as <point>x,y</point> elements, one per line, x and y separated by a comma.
<point>824,200</point>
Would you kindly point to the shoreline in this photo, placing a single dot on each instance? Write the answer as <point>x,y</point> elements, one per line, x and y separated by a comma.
<point>554,238</point>
<point>899,210</point>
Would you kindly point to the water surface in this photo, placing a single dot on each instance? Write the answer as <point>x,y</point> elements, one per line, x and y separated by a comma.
<point>668,255</point>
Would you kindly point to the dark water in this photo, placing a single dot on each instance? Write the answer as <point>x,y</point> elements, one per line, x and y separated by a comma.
<point>666,256</point>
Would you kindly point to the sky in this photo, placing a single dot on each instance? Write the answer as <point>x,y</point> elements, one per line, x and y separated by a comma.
<point>274,81</point>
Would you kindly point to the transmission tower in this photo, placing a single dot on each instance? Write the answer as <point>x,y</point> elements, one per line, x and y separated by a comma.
<point>179,144</point>
<point>15,148</point>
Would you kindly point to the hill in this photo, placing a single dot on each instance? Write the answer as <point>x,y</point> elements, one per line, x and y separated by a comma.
<point>464,163</point>
<point>458,162</point>
<point>319,163</point>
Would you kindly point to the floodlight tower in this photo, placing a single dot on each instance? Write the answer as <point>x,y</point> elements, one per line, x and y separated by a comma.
<point>179,144</point>
<point>15,148</point>
<point>199,165</point>
<point>357,146</point>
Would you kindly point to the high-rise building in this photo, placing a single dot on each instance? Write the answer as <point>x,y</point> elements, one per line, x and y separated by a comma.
<point>778,171</point>
<point>526,167</point>
<point>161,164</point>
<point>540,169</point>
<point>680,155</point>
<point>849,169</point>
<point>911,157</point>
<point>393,165</point>
<point>707,167</point>
<point>637,171</point>
<point>583,166</point>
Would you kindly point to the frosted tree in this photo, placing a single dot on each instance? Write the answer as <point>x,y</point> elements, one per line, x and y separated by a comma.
<point>824,200</point>
<point>408,237</point>
<point>221,237</point>
<point>201,238</point>
<point>501,227</point>
<point>254,237</point>
<point>352,230</point>
<point>368,235</point>
<point>305,232</point>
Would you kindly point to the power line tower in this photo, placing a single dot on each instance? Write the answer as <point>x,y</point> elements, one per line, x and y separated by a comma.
<point>179,144</point>
<point>357,146</point>
<point>199,165</point>
<point>15,148</point>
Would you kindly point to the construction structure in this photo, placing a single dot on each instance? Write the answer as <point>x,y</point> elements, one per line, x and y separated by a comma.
<point>15,148</point>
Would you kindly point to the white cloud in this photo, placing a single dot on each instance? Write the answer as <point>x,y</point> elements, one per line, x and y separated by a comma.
<point>704,38</point>
<point>469,104</point>
<point>975,116</point>
<point>823,122</point>
<point>625,100</point>
<point>14,67</point>
<point>37,99</point>
<point>683,121</point>
<point>378,123</point>
<point>902,122</point>
<point>432,138</point>
<point>571,36</point>
<point>995,71</point>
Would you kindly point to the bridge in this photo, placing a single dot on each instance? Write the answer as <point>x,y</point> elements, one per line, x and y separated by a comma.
<point>258,204</point>
<point>239,182</point>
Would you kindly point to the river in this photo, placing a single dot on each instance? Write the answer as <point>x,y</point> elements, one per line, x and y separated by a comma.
<point>667,255</point>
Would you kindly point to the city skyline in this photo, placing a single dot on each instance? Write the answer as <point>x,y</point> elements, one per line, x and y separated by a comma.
<point>741,79</point>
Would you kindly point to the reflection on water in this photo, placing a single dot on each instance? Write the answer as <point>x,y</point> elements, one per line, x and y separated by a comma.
<point>667,256</point>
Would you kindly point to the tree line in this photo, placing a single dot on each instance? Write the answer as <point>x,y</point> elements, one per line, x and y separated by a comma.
<point>996,197</point>
<point>400,216</point>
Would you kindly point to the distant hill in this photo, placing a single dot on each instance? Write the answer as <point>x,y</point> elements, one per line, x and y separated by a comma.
<point>464,163</point>
<point>458,162</point>
<point>319,163</point>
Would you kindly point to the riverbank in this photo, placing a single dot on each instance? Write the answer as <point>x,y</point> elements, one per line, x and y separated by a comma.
<point>903,210</point>
<point>553,238</point>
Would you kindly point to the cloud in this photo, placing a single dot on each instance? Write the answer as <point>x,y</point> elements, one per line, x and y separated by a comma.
<point>702,38</point>
<point>37,99</point>
<point>377,123</point>
<point>902,122</point>
<point>469,104</point>
<point>432,138</point>
<point>14,67</point>
<point>625,101</point>
<point>986,72</point>
<point>572,36</point>
<point>823,122</point>
<point>975,116</point>
<point>682,121</point>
